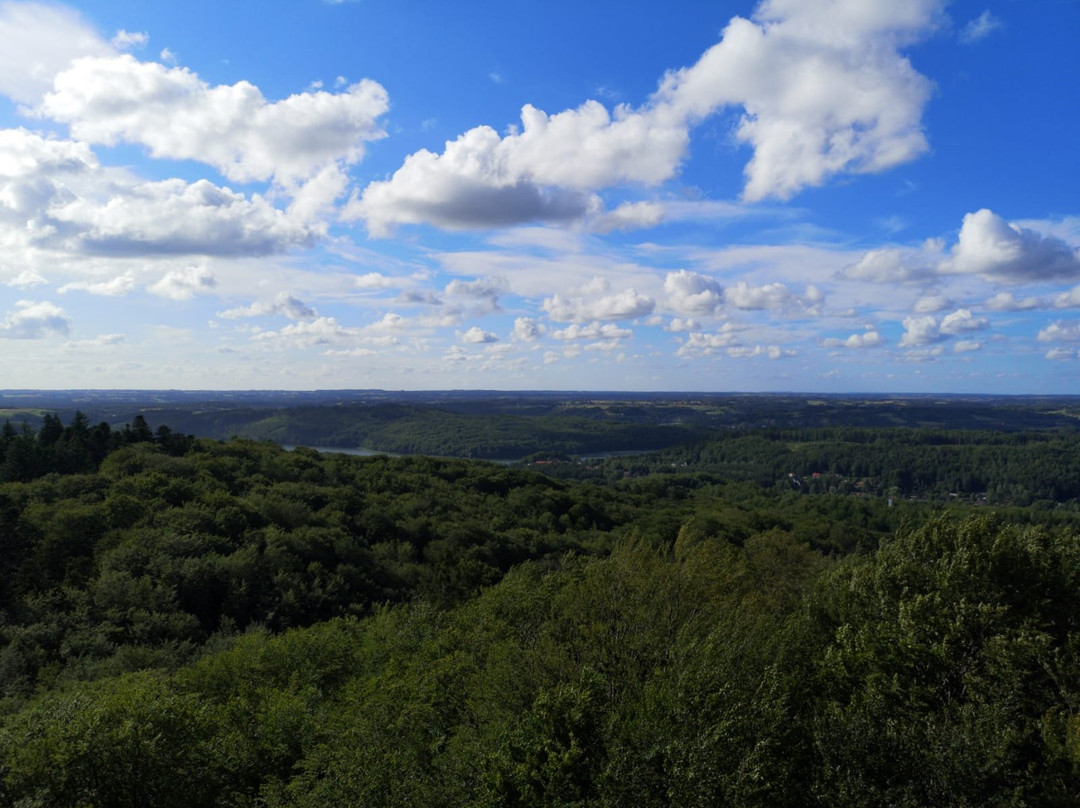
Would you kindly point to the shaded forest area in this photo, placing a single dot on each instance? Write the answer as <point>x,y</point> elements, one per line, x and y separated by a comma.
<point>192,622</point>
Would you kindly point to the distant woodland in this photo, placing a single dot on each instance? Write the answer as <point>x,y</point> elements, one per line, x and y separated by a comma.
<point>758,615</point>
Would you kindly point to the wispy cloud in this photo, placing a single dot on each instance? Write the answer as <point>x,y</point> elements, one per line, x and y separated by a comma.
<point>980,28</point>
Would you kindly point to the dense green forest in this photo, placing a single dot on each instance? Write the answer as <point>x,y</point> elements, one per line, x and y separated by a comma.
<point>404,429</point>
<point>1002,468</point>
<point>191,622</point>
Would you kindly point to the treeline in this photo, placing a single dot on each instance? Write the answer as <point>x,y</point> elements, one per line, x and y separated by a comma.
<point>1018,468</point>
<point>77,448</point>
<point>409,429</point>
<point>433,431</point>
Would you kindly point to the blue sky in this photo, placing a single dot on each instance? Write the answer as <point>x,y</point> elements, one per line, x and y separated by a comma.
<point>807,195</point>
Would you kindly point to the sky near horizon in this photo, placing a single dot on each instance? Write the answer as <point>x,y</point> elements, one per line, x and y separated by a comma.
<point>791,195</point>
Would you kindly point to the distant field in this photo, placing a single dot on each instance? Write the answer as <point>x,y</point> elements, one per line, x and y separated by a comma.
<point>22,413</point>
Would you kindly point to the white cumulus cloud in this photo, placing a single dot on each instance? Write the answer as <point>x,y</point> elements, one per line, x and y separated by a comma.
<point>282,304</point>
<point>526,329</point>
<point>823,86</point>
<point>919,331</point>
<point>962,321</point>
<point>374,280</point>
<point>311,333</point>
<point>1005,301</point>
<point>468,185</point>
<point>923,331</point>
<point>625,305</point>
<point>774,297</point>
<point>699,343</point>
<point>114,287</point>
<point>481,295</point>
<point>890,265</point>
<point>1002,252</point>
<point>824,90</point>
<point>773,352</point>
<point>174,217</point>
<point>54,194</point>
<point>34,320</point>
<point>478,336</point>
<point>234,128</point>
<point>1069,299</point>
<point>868,339</point>
<point>691,293</point>
<point>183,284</point>
<point>630,216</point>
<point>988,246</point>
<point>1061,354</point>
<point>929,304</point>
<point>679,324</point>
<point>1060,331</point>
<point>40,40</point>
<point>605,331</point>
<point>26,278</point>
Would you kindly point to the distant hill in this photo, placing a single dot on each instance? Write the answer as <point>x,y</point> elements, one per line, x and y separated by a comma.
<point>510,425</point>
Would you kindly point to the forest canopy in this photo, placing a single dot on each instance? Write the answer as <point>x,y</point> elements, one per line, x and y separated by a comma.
<point>194,622</point>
